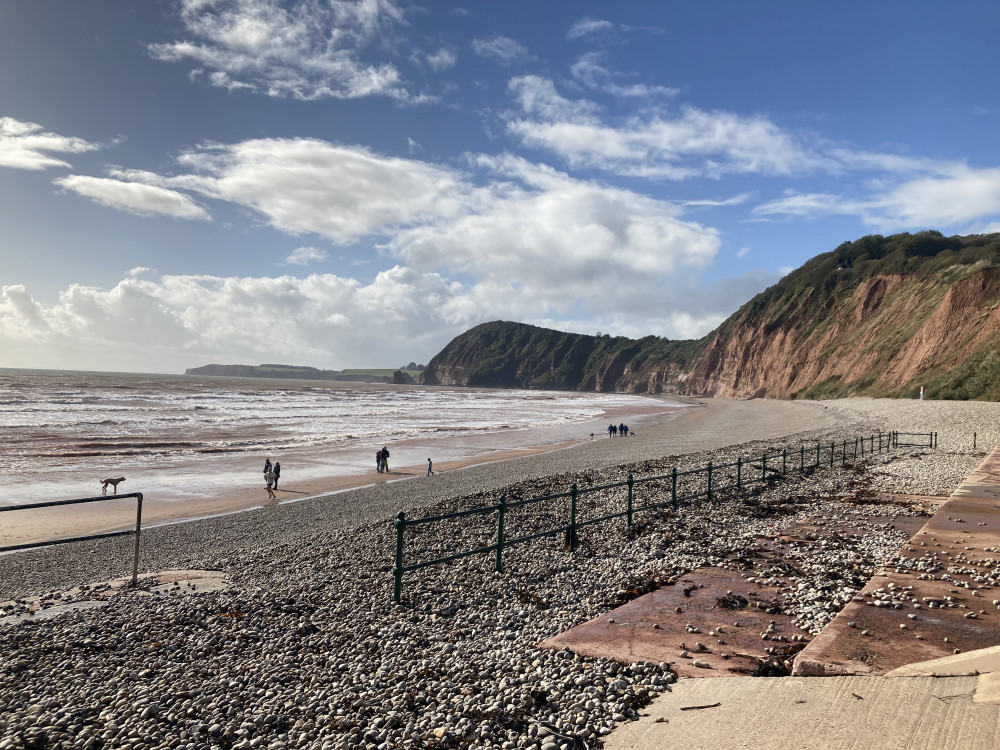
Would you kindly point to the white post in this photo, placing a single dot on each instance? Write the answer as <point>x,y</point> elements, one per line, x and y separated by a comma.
<point>921,393</point>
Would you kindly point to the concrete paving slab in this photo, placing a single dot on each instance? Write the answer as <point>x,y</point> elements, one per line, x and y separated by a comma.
<point>933,602</point>
<point>802,713</point>
<point>983,661</point>
<point>716,608</point>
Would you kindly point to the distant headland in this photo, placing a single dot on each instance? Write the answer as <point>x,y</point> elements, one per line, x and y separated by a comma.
<point>403,376</point>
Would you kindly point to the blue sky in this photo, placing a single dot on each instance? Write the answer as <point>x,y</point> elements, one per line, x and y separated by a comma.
<point>346,184</point>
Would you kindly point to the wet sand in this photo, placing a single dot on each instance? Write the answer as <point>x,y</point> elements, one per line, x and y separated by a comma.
<point>167,500</point>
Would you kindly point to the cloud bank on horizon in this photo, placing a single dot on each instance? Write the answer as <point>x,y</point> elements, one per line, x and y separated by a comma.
<point>355,182</point>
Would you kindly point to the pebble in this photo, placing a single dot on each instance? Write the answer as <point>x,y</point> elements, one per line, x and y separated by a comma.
<point>307,649</point>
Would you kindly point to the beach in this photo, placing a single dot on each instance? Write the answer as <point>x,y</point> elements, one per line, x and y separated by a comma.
<point>195,447</point>
<point>303,647</point>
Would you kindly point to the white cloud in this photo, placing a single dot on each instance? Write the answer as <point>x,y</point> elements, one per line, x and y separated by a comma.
<point>303,256</point>
<point>133,197</point>
<point>954,195</point>
<point>26,145</point>
<point>501,48</point>
<point>538,96</point>
<point>561,242</point>
<point>300,49</point>
<point>692,142</point>
<point>588,26</point>
<point>173,322</point>
<point>590,72</point>
<point>743,252</point>
<point>310,186</point>
<point>443,59</point>
<point>736,200</point>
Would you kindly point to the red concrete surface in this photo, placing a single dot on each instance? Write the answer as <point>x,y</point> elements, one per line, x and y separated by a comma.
<point>651,629</point>
<point>964,537</point>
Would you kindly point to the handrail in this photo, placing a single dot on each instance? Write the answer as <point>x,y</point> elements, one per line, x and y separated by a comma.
<point>100,498</point>
<point>748,472</point>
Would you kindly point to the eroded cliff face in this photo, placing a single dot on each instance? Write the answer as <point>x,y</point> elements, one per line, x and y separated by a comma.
<point>835,327</point>
<point>889,334</point>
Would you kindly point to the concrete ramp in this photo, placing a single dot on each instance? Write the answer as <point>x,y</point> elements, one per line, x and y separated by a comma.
<point>937,597</point>
<point>837,713</point>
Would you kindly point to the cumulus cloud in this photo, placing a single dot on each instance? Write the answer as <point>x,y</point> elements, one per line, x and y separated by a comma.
<point>26,145</point>
<point>501,48</point>
<point>302,49</point>
<point>303,256</point>
<point>516,230</point>
<point>309,186</point>
<point>952,195</point>
<point>181,321</point>
<point>175,321</point>
<point>133,197</point>
<point>560,243</point>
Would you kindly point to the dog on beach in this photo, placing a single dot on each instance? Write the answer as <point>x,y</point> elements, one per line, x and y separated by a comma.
<point>113,482</point>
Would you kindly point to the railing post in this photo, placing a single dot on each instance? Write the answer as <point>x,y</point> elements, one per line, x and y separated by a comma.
<point>802,458</point>
<point>708,490</point>
<point>628,507</point>
<point>739,472</point>
<point>843,452</point>
<point>784,461</point>
<point>501,512</point>
<point>880,442</point>
<point>572,517</point>
<point>973,441</point>
<point>138,531</point>
<point>397,568</point>
<point>935,440</point>
<point>817,454</point>
<point>832,449</point>
<point>673,487</point>
<point>862,447</point>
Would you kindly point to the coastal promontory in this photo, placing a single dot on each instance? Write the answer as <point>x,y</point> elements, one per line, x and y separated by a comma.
<point>879,316</point>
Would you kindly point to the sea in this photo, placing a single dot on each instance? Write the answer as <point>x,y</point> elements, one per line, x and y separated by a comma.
<point>186,436</point>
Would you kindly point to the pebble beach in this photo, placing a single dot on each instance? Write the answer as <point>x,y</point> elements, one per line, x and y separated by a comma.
<point>303,646</point>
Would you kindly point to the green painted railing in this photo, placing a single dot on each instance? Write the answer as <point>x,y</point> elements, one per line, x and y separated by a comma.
<point>737,476</point>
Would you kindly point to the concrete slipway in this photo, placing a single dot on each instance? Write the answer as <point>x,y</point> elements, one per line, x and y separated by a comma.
<point>946,703</point>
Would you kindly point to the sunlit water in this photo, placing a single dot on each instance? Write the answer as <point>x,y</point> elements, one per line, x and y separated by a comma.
<point>63,431</point>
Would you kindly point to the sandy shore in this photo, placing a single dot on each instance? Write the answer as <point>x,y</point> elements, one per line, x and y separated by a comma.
<point>303,646</point>
<point>172,532</point>
<point>169,497</point>
<point>703,425</point>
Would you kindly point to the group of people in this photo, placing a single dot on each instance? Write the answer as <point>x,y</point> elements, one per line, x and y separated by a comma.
<point>382,460</point>
<point>621,430</point>
<point>271,474</point>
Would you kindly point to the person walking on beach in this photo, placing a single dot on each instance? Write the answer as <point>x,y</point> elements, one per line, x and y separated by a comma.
<point>611,430</point>
<point>621,430</point>
<point>430,468</point>
<point>276,470</point>
<point>385,459</point>
<point>269,481</point>
<point>378,461</point>
<point>267,465</point>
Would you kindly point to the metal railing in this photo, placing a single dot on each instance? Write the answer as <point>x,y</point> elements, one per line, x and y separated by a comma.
<point>684,487</point>
<point>53,503</point>
<point>919,439</point>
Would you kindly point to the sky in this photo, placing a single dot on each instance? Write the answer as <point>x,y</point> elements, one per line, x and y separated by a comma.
<point>343,183</point>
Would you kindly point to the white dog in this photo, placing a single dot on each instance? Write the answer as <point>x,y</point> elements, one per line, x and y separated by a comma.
<point>113,482</point>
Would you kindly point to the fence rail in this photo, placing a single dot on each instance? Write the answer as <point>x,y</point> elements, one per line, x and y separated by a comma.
<point>101,498</point>
<point>736,475</point>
